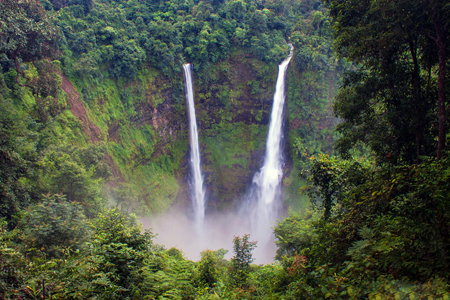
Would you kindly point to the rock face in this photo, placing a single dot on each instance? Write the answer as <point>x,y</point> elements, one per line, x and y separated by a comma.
<point>144,123</point>
<point>234,103</point>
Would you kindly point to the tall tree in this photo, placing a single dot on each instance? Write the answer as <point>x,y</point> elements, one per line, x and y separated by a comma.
<point>387,103</point>
<point>242,259</point>
<point>437,14</point>
<point>26,31</point>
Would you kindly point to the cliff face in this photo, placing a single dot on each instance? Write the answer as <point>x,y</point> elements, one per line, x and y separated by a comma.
<point>234,103</point>
<point>109,87</point>
<point>144,124</point>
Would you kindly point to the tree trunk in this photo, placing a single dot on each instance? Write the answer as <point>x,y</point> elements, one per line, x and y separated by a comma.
<point>440,43</point>
<point>415,80</point>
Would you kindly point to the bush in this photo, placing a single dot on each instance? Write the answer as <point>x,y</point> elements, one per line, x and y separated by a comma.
<point>53,227</point>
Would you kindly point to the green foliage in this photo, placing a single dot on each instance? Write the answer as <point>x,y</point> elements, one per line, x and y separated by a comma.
<point>384,227</point>
<point>12,262</point>
<point>295,233</point>
<point>143,131</point>
<point>112,270</point>
<point>210,268</point>
<point>27,34</point>
<point>118,239</point>
<point>127,199</point>
<point>240,262</point>
<point>265,281</point>
<point>26,29</point>
<point>75,172</point>
<point>331,179</point>
<point>112,226</point>
<point>417,198</point>
<point>129,56</point>
<point>124,34</point>
<point>384,230</point>
<point>30,124</point>
<point>386,233</point>
<point>53,227</point>
<point>125,56</point>
<point>312,81</point>
<point>380,101</point>
<point>17,155</point>
<point>168,276</point>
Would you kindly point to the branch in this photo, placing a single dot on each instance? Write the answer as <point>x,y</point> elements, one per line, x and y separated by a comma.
<point>432,37</point>
<point>16,60</point>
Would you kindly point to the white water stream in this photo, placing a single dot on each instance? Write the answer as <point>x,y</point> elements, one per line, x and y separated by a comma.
<point>265,195</point>
<point>197,190</point>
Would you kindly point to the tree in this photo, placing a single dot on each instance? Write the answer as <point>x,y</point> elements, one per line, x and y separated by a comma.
<point>258,22</point>
<point>128,56</point>
<point>113,267</point>
<point>389,101</point>
<point>128,200</point>
<point>75,172</point>
<point>209,267</point>
<point>54,226</point>
<point>123,248</point>
<point>26,31</point>
<point>331,179</point>
<point>294,233</point>
<point>12,262</point>
<point>240,262</point>
<point>406,207</point>
<point>439,10</point>
<point>394,225</point>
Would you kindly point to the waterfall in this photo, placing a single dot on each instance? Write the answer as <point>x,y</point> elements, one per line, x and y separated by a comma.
<point>197,191</point>
<point>265,193</point>
<point>258,212</point>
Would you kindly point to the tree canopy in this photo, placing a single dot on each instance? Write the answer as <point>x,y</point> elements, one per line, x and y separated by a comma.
<point>27,31</point>
<point>395,100</point>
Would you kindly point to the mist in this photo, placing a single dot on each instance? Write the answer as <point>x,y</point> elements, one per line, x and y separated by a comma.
<point>177,229</point>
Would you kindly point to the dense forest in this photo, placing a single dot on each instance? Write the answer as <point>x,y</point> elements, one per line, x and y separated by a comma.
<point>93,135</point>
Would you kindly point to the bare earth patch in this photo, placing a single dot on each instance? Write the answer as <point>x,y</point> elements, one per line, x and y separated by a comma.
<point>89,128</point>
<point>76,107</point>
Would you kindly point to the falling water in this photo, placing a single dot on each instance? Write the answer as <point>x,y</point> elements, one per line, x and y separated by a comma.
<point>258,213</point>
<point>265,193</point>
<point>198,193</point>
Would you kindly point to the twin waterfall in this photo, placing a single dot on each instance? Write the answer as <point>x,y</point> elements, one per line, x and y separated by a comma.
<point>260,210</point>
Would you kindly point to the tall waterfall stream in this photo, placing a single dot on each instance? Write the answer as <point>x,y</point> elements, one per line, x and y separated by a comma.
<point>197,190</point>
<point>265,194</point>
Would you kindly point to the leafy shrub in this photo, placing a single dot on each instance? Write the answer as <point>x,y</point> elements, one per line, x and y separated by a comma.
<point>53,226</point>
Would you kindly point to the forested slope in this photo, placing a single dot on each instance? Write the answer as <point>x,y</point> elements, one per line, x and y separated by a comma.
<point>110,76</point>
